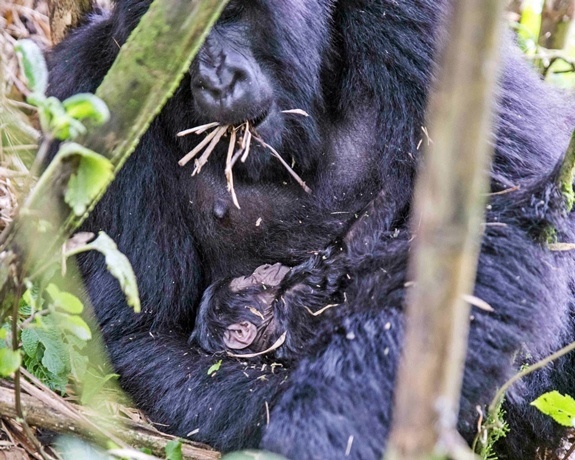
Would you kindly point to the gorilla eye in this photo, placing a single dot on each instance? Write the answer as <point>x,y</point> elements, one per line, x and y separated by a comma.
<point>232,11</point>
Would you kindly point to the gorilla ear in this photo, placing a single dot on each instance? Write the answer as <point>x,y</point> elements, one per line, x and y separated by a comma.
<point>240,336</point>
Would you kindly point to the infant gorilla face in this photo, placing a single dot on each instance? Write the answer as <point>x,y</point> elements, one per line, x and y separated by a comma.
<point>238,314</point>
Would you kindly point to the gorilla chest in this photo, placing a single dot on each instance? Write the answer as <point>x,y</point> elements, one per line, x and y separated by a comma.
<point>276,222</point>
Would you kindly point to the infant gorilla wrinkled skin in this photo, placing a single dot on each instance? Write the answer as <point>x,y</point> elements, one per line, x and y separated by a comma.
<point>240,313</point>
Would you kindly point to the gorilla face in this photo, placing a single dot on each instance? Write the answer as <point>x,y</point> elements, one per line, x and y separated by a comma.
<point>250,69</point>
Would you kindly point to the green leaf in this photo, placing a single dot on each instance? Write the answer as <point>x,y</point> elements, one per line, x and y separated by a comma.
<point>33,65</point>
<point>55,359</point>
<point>30,342</point>
<point>55,119</point>
<point>214,368</point>
<point>74,324</point>
<point>86,105</point>
<point>174,450</point>
<point>559,407</point>
<point>9,361</point>
<point>64,300</point>
<point>93,174</point>
<point>118,265</point>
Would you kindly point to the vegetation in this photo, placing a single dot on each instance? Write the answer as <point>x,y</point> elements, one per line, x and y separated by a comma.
<point>48,349</point>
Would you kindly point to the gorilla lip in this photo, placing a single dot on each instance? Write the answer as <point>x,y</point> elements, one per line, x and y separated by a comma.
<point>255,122</point>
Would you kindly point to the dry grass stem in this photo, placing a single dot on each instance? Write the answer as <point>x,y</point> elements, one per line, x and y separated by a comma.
<point>247,142</point>
<point>208,144</point>
<point>228,171</point>
<point>200,162</point>
<point>285,165</point>
<point>198,129</point>
<point>322,311</point>
<point>8,201</point>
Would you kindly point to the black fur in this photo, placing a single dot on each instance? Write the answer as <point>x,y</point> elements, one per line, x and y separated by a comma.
<point>362,70</point>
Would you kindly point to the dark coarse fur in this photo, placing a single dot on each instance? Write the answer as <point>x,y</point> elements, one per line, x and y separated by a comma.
<point>362,69</point>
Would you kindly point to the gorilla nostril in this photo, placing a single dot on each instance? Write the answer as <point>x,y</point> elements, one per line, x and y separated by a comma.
<point>231,91</point>
<point>240,75</point>
<point>205,85</point>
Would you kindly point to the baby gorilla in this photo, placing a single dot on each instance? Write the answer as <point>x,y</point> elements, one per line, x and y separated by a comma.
<point>247,315</point>
<point>241,313</point>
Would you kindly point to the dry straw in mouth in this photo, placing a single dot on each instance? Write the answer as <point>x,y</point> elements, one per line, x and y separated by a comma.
<point>241,137</point>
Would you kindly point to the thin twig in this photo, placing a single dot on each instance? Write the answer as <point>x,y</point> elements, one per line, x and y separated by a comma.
<point>569,452</point>
<point>528,370</point>
<point>247,141</point>
<point>198,129</point>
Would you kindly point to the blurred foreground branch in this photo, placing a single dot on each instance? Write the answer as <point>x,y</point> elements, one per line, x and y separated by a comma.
<point>147,71</point>
<point>45,409</point>
<point>447,224</point>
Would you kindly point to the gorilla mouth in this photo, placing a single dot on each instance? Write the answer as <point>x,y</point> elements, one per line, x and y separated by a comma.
<point>240,139</point>
<point>255,122</point>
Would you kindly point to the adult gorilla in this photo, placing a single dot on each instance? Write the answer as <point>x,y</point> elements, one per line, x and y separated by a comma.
<point>361,69</point>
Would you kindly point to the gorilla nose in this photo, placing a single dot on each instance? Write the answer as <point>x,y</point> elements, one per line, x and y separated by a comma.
<point>231,92</point>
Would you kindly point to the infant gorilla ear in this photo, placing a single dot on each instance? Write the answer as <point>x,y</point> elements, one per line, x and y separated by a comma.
<point>240,336</point>
<point>239,313</point>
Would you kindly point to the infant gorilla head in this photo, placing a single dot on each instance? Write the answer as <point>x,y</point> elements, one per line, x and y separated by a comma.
<point>241,313</point>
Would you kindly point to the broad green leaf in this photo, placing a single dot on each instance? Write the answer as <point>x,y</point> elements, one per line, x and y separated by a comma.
<point>33,65</point>
<point>30,341</point>
<point>118,265</point>
<point>86,105</point>
<point>93,174</point>
<point>64,300</point>
<point>559,407</point>
<point>174,450</point>
<point>75,324</point>
<point>9,361</point>
<point>55,359</point>
<point>214,368</point>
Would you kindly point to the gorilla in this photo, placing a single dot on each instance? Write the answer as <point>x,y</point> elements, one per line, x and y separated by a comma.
<point>240,314</point>
<point>362,71</point>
